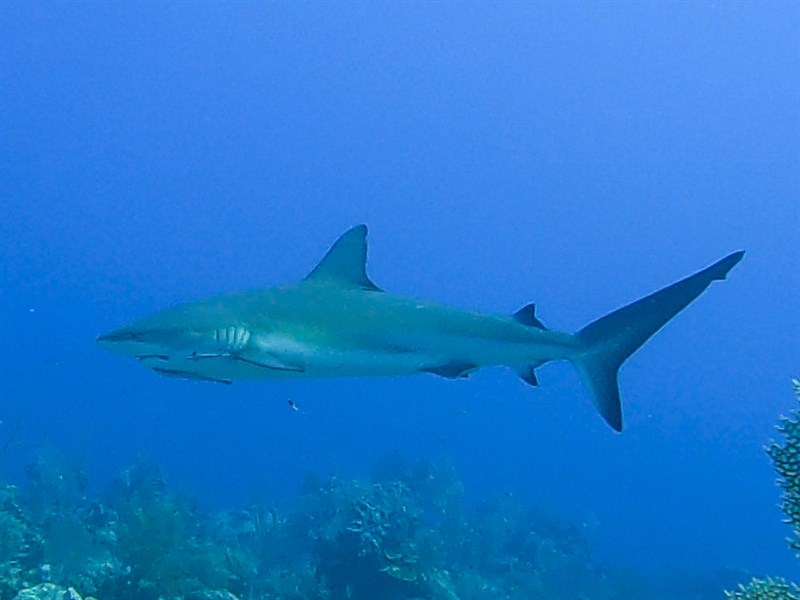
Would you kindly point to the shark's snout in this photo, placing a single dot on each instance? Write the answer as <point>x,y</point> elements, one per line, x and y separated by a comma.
<point>139,340</point>
<point>127,341</point>
<point>118,335</point>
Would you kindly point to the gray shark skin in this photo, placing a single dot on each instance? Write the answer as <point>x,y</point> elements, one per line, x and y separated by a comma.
<point>337,322</point>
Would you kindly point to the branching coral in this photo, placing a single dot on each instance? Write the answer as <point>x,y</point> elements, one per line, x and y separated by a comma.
<point>523,553</point>
<point>54,485</point>
<point>14,536</point>
<point>159,542</point>
<point>367,539</point>
<point>402,536</point>
<point>766,589</point>
<point>13,528</point>
<point>785,457</point>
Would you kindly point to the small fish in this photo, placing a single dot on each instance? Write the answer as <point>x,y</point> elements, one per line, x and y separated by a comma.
<point>293,406</point>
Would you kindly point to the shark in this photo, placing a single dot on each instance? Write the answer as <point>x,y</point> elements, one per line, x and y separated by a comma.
<point>337,322</point>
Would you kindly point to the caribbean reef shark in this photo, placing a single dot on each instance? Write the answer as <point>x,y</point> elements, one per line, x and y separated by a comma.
<point>337,322</point>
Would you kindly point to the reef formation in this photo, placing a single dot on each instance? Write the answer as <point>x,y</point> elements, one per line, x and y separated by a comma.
<point>402,534</point>
<point>785,457</point>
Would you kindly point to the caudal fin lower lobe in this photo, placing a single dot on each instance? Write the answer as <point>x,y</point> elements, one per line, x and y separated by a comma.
<point>607,342</point>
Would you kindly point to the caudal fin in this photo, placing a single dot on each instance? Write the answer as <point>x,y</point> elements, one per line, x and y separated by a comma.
<point>609,341</point>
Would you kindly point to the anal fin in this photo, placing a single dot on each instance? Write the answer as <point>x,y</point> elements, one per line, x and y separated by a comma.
<point>528,374</point>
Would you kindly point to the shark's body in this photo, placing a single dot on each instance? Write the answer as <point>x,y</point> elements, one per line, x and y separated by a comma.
<point>336,322</point>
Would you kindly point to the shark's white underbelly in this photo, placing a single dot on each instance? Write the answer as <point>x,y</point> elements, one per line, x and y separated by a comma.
<point>250,356</point>
<point>237,352</point>
<point>327,363</point>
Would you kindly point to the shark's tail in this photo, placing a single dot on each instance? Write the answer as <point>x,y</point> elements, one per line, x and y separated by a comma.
<point>609,341</point>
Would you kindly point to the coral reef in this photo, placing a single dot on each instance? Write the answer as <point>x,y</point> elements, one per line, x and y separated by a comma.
<point>766,589</point>
<point>402,535</point>
<point>785,457</point>
<point>50,591</point>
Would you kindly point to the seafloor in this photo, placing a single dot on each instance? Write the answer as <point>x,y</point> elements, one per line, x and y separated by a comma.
<point>403,534</point>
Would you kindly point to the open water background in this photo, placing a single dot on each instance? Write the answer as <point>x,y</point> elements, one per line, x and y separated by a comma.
<point>578,155</point>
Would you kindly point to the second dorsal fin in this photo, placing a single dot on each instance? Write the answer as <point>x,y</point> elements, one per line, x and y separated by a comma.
<point>527,316</point>
<point>345,263</point>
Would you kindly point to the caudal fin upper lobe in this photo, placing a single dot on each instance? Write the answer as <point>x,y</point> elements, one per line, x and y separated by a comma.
<point>607,342</point>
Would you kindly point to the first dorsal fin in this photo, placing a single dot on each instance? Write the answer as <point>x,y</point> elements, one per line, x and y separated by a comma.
<point>345,263</point>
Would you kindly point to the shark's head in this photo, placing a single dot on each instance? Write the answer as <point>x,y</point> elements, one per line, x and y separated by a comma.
<point>217,327</point>
<point>143,342</point>
<point>178,351</point>
<point>199,351</point>
<point>169,332</point>
<point>183,332</point>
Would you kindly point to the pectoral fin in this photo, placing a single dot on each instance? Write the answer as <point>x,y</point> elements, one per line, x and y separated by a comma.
<point>180,374</point>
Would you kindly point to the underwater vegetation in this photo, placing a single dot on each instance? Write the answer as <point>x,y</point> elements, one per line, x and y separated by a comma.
<point>401,534</point>
<point>785,457</point>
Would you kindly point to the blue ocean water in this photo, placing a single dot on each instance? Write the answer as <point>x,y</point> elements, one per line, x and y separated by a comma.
<point>577,155</point>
